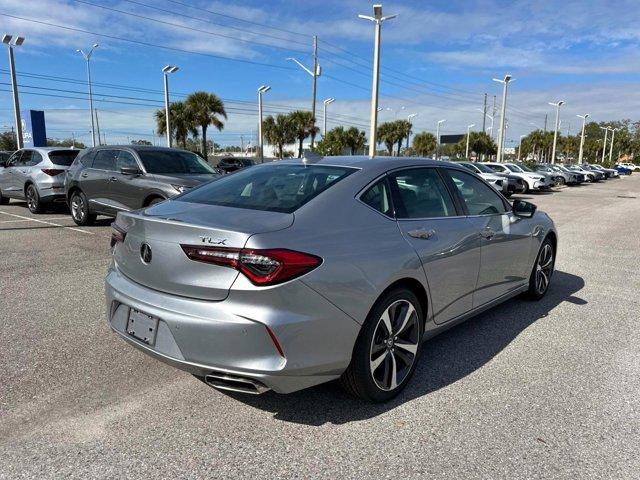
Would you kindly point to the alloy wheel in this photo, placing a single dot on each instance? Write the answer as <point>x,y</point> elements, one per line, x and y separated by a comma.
<point>32,201</point>
<point>77,208</point>
<point>544,268</point>
<point>394,345</point>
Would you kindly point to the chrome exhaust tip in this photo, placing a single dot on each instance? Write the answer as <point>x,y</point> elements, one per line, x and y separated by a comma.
<point>233,383</point>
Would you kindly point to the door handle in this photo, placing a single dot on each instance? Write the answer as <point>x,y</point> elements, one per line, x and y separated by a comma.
<point>421,233</point>
<point>487,233</point>
<point>113,179</point>
<point>84,175</point>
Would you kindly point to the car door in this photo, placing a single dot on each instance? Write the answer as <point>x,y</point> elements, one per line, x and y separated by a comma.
<point>446,241</point>
<point>21,171</point>
<point>96,181</point>
<point>125,190</point>
<point>7,175</point>
<point>506,239</point>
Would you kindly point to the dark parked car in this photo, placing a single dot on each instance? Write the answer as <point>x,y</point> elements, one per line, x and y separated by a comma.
<point>233,164</point>
<point>111,179</point>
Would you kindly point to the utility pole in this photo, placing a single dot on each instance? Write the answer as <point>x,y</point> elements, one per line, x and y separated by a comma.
<point>6,39</point>
<point>555,130</point>
<point>613,135</point>
<point>261,90</point>
<point>469,127</point>
<point>98,128</point>
<point>545,123</point>
<point>604,144</point>
<point>584,121</point>
<point>167,114</point>
<point>484,113</point>
<point>377,19</point>
<point>505,85</point>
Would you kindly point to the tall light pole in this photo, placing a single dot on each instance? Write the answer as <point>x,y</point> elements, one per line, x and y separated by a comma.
<point>613,135</point>
<point>409,117</point>
<point>469,127</point>
<point>520,146</point>
<point>440,122</point>
<point>324,115</point>
<point>604,144</point>
<point>261,90</point>
<point>555,131</point>
<point>6,39</point>
<point>377,20</point>
<point>315,72</point>
<point>505,84</point>
<point>584,121</point>
<point>167,114</point>
<point>87,57</point>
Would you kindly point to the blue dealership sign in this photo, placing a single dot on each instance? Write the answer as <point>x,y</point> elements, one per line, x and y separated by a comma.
<point>34,131</point>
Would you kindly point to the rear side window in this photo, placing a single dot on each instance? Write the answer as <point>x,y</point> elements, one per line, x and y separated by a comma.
<point>105,160</point>
<point>168,162</point>
<point>378,197</point>
<point>421,193</point>
<point>63,157</point>
<point>274,188</point>
<point>479,197</point>
<point>86,158</point>
<point>126,160</point>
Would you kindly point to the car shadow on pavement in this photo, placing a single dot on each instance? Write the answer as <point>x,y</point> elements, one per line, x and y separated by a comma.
<point>445,359</point>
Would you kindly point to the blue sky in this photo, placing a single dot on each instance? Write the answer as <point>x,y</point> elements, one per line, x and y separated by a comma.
<point>438,59</point>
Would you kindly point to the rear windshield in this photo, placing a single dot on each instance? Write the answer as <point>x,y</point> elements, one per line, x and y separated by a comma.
<point>275,188</point>
<point>166,162</point>
<point>63,157</point>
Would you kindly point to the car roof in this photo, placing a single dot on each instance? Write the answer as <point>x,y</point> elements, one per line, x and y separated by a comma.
<point>364,162</point>
<point>140,148</point>
<point>50,149</point>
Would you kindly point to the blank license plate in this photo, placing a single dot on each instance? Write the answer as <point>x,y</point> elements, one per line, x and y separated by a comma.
<point>142,326</point>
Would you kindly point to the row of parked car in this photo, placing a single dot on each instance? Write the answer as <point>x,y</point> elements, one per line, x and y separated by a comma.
<point>108,179</point>
<point>510,178</point>
<point>104,180</point>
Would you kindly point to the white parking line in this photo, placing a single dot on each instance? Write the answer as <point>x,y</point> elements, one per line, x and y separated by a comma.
<point>30,219</point>
<point>47,223</point>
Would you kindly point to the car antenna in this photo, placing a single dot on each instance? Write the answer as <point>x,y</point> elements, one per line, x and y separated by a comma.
<point>309,156</point>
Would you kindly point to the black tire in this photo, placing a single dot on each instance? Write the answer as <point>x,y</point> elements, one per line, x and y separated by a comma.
<point>33,199</point>
<point>79,207</point>
<point>544,265</point>
<point>4,200</point>
<point>375,346</point>
<point>560,181</point>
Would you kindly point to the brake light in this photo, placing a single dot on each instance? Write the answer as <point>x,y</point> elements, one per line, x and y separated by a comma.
<point>261,267</point>
<point>118,234</point>
<point>52,172</point>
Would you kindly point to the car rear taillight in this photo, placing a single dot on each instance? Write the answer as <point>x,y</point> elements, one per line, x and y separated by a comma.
<point>261,267</point>
<point>118,234</point>
<point>52,172</point>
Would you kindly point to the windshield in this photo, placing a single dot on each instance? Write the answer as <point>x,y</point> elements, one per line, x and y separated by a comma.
<point>63,157</point>
<point>168,162</point>
<point>483,168</point>
<point>525,168</point>
<point>274,188</point>
<point>513,168</point>
<point>470,167</point>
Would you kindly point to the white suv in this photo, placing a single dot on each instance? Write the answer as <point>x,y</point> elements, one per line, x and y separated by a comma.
<point>532,180</point>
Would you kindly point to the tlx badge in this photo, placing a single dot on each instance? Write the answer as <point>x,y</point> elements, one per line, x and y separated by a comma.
<point>214,240</point>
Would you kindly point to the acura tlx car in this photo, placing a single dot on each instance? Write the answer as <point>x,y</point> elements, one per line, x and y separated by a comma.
<point>289,274</point>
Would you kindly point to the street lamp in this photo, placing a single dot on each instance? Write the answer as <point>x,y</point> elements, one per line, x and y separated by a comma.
<point>440,122</point>
<point>409,117</point>
<point>520,146</point>
<point>315,73</point>
<point>261,90</point>
<point>555,131</point>
<point>505,83</point>
<point>613,135</point>
<point>377,19</point>
<point>584,121</point>
<point>87,57</point>
<point>324,119</point>
<point>604,144</point>
<point>165,72</point>
<point>469,127</point>
<point>7,40</point>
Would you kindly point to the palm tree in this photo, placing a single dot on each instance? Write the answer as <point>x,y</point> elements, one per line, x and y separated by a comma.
<point>279,131</point>
<point>182,123</point>
<point>388,134</point>
<point>333,143</point>
<point>424,143</point>
<point>205,108</point>
<point>304,125</point>
<point>355,139</point>
<point>403,130</point>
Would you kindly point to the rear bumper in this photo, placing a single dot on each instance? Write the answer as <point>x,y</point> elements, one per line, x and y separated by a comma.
<point>231,337</point>
<point>51,189</point>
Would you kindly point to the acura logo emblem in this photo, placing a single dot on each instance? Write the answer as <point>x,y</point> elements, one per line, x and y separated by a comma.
<point>145,253</point>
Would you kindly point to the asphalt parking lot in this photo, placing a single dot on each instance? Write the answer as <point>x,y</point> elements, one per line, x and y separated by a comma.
<point>526,390</point>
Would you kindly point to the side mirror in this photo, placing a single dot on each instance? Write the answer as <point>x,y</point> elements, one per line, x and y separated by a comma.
<point>130,171</point>
<point>523,209</point>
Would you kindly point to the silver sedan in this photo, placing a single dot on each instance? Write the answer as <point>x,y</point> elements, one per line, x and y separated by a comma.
<point>289,274</point>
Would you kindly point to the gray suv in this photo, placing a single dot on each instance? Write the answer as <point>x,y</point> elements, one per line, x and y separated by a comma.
<point>111,179</point>
<point>35,175</point>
